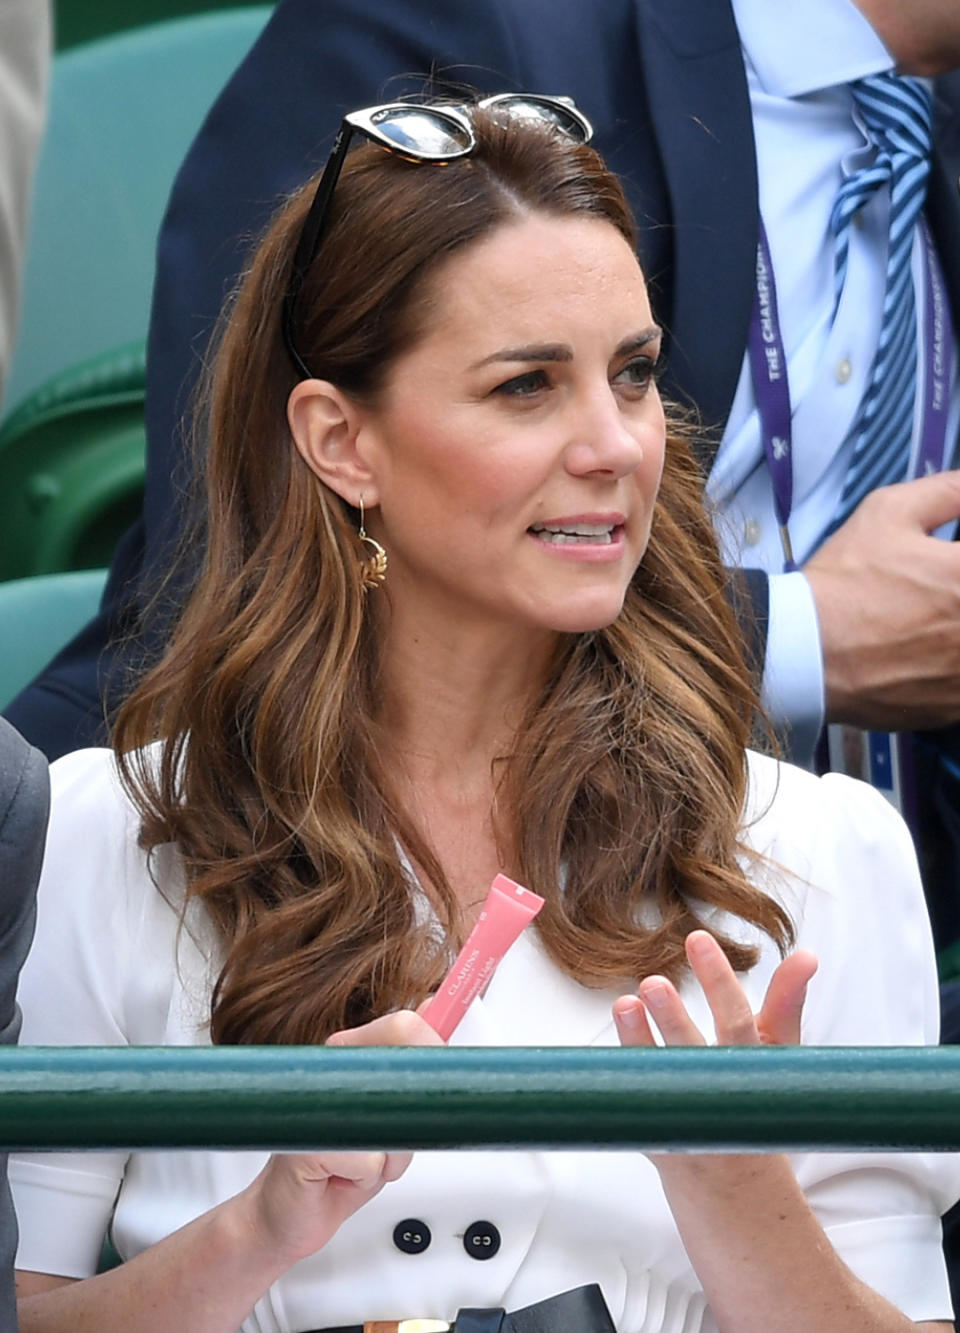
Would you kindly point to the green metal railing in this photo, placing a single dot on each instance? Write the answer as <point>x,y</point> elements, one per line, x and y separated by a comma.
<point>302,1097</point>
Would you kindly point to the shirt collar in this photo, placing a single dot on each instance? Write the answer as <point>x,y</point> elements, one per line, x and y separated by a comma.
<point>797,48</point>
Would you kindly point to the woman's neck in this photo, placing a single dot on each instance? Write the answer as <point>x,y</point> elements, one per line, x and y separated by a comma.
<point>451,704</point>
<point>452,697</point>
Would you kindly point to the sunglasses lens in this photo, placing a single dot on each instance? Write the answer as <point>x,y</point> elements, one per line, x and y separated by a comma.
<point>544,111</point>
<point>423,132</point>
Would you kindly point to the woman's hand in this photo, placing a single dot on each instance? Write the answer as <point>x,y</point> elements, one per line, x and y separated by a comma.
<point>776,1024</point>
<point>300,1200</point>
<point>759,1251</point>
<point>209,1275</point>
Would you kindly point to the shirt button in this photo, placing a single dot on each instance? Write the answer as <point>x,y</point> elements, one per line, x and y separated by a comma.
<point>752,532</point>
<point>481,1240</point>
<point>844,371</point>
<point>411,1236</point>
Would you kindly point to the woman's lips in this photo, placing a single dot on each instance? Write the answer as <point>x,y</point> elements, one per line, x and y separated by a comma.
<point>592,537</point>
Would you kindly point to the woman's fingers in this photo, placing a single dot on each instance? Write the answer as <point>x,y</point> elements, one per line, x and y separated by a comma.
<point>395,1165</point>
<point>733,1018</point>
<point>735,1024</point>
<point>630,1017</point>
<point>669,1012</point>
<point>364,1171</point>
<point>361,1170</point>
<point>778,1021</point>
<point>403,1028</point>
<point>300,1200</point>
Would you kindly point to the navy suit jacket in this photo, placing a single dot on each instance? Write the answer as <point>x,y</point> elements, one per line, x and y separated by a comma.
<point>664,84</point>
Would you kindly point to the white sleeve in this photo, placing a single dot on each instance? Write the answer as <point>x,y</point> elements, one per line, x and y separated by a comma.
<point>72,994</point>
<point>865,918</point>
<point>792,694</point>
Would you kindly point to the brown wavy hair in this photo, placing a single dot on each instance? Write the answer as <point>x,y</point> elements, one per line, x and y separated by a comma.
<point>627,778</point>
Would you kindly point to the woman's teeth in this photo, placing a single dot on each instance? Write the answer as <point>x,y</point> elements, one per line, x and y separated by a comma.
<point>574,532</point>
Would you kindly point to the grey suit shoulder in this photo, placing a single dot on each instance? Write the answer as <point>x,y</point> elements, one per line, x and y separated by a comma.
<point>24,808</point>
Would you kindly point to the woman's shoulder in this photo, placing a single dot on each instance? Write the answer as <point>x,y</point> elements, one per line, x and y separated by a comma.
<point>841,860</point>
<point>786,802</point>
<point>86,784</point>
<point>832,833</point>
<point>92,772</point>
<point>94,831</point>
<point>97,769</point>
<point>104,967</point>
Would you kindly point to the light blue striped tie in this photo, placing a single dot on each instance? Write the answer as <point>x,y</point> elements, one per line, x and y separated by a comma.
<point>898,115</point>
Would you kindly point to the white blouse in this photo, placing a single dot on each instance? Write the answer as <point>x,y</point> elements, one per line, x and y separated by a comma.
<point>107,969</point>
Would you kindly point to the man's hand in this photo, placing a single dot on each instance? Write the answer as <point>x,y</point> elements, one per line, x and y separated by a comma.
<point>888,601</point>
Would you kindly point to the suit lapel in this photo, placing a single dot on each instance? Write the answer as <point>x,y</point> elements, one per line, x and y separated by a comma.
<point>693,67</point>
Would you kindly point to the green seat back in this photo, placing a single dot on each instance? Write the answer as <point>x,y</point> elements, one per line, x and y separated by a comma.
<point>123,111</point>
<point>72,467</point>
<point>37,617</point>
<point>84,20</point>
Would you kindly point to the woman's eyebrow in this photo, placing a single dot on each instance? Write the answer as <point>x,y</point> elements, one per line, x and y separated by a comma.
<point>562,352</point>
<point>638,341</point>
<point>531,352</point>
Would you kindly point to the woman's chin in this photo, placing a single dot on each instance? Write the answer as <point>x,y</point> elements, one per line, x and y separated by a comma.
<point>581,616</point>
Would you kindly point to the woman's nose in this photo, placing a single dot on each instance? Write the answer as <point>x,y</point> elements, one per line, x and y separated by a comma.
<point>606,440</point>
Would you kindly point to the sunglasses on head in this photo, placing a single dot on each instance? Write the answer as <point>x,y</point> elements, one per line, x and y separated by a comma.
<point>420,133</point>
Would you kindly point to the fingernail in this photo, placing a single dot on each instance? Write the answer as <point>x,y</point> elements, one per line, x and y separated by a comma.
<point>700,944</point>
<point>655,994</point>
<point>629,1016</point>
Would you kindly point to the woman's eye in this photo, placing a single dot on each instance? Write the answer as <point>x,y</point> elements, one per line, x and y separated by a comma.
<point>641,372</point>
<point>523,386</point>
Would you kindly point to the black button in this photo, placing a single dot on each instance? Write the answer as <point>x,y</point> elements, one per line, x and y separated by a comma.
<point>481,1240</point>
<point>411,1235</point>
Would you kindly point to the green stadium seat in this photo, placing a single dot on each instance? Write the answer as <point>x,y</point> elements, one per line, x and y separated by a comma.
<point>84,20</point>
<point>123,111</point>
<point>72,467</point>
<point>37,617</point>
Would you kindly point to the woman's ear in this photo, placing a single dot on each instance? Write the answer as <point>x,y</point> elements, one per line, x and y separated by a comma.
<point>325,424</point>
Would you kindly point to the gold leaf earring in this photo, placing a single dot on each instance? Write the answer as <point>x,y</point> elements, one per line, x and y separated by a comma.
<point>373,570</point>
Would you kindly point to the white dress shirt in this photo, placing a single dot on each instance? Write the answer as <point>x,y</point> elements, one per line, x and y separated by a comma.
<point>799,61</point>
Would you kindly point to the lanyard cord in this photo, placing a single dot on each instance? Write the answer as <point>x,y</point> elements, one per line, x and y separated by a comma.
<point>771,386</point>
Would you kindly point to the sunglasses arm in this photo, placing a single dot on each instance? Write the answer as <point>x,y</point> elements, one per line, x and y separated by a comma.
<point>311,236</point>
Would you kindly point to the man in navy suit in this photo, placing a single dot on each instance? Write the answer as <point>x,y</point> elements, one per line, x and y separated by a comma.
<point>686,97</point>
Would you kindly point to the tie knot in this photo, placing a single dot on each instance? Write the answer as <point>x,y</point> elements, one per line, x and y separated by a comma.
<point>897,111</point>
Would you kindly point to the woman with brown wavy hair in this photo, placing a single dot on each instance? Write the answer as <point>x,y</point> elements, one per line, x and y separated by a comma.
<point>461,612</point>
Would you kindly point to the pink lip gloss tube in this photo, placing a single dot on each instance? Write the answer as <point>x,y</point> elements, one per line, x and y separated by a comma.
<point>508,909</point>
